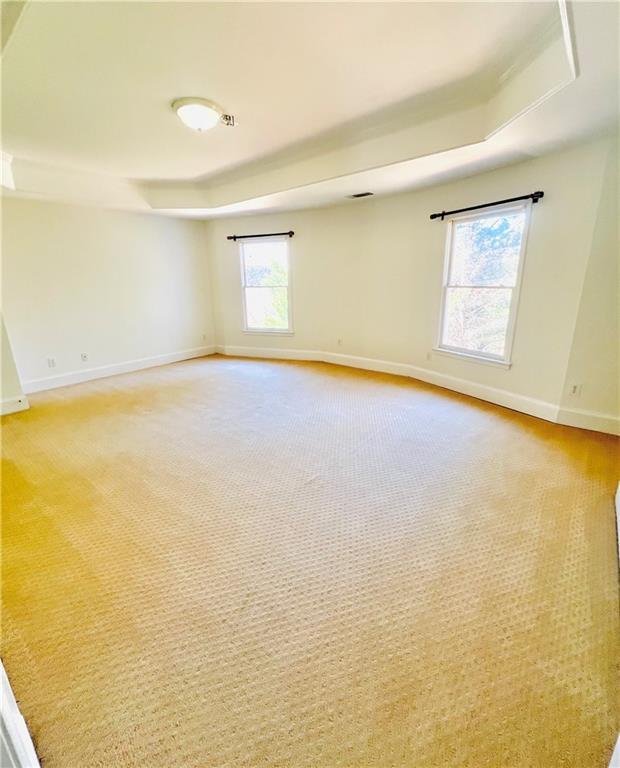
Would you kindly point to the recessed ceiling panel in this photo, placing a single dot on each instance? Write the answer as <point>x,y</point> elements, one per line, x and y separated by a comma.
<point>89,85</point>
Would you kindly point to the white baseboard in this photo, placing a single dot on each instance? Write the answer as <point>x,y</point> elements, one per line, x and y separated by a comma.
<point>615,758</point>
<point>539,408</point>
<point>618,533</point>
<point>599,422</point>
<point>88,374</point>
<point>13,405</point>
<point>542,409</point>
<point>16,747</point>
<point>270,352</point>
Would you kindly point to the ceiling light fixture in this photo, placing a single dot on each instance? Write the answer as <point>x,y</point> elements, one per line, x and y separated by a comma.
<point>200,114</point>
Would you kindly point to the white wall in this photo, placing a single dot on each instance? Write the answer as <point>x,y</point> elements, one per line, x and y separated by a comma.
<point>16,747</point>
<point>593,362</point>
<point>131,289</point>
<point>127,289</point>
<point>369,273</point>
<point>12,397</point>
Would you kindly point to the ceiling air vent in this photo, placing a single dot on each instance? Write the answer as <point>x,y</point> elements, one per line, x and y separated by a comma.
<point>361,194</point>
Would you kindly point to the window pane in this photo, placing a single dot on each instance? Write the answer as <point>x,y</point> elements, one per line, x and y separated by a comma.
<point>267,308</point>
<point>486,251</point>
<point>265,263</point>
<point>476,319</point>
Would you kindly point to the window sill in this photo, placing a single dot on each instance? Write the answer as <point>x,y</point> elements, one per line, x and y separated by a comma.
<point>268,332</point>
<point>470,356</point>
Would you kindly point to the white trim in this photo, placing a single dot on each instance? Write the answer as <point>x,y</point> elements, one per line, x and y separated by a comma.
<point>268,331</point>
<point>16,744</point>
<point>270,353</point>
<point>569,50</point>
<point>615,758</point>
<point>540,408</point>
<point>533,47</point>
<point>526,207</point>
<point>370,364</point>
<point>88,374</point>
<point>567,37</point>
<point>599,422</point>
<point>463,355</point>
<point>618,538</point>
<point>14,405</point>
<point>289,330</point>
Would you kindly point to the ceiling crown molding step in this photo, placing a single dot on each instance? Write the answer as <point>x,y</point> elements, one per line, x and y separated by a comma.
<point>540,71</point>
<point>515,110</point>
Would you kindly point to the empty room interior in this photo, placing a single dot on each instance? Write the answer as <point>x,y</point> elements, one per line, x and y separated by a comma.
<point>310,384</point>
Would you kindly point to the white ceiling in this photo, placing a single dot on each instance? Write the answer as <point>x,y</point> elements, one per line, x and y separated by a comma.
<point>88,86</point>
<point>330,98</point>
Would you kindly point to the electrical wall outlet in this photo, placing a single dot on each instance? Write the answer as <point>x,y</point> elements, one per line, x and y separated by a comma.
<point>339,342</point>
<point>51,362</point>
<point>204,336</point>
<point>575,389</point>
<point>84,357</point>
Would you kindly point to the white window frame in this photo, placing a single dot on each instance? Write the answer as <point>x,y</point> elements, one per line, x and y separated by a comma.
<point>288,331</point>
<point>474,355</point>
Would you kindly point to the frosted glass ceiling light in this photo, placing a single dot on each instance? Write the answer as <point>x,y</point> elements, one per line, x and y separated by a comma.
<point>200,114</point>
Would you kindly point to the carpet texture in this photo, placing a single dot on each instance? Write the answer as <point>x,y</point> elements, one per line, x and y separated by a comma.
<point>253,563</point>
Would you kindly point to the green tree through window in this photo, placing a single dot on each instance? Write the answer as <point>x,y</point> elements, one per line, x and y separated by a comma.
<point>482,275</point>
<point>265,277</point>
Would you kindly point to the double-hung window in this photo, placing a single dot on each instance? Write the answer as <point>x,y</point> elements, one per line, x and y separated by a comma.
<point>265,285</point>
<point>482,275</point>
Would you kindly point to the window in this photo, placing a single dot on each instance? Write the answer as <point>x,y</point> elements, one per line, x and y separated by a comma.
<point>484,259</point>
<point>265,283</point>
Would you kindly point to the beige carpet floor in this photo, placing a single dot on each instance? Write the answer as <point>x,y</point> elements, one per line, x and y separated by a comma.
<point>248,563</point>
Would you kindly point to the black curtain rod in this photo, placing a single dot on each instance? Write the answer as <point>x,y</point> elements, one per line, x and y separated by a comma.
<point>534,197</point>
<point>290,233</point>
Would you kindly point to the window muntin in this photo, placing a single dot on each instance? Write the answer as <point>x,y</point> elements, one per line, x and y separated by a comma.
<point>265,285</point>
<point>481,281</point>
